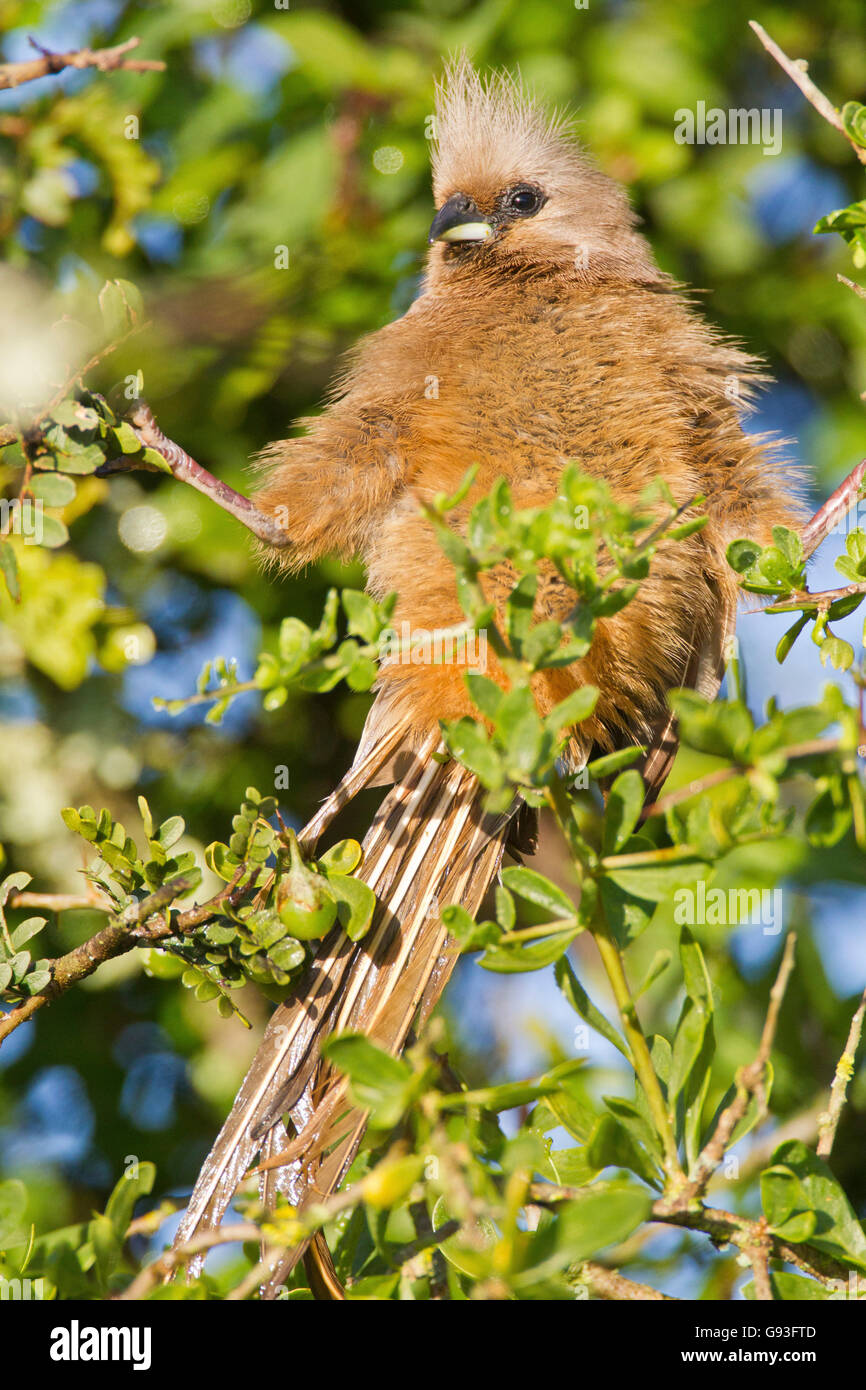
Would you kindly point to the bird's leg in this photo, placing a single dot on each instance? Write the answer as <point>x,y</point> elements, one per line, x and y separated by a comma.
<point>837,505</point>
<point>185,468</point>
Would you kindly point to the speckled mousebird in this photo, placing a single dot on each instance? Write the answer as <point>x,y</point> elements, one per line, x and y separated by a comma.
<point>552,336</point>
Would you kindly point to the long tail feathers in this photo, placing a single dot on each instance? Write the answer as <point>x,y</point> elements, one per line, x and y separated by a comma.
<point>430,844</point>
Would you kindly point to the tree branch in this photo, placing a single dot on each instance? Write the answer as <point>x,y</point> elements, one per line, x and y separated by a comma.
<point>797,70</point>
<point>749,1082</point>
<point>104,59</point>
<point>724,774</point>
<point>829,1121</point>
<point>141,924</point>
<point>609,1284</point>
<point>823,601</point>
<point>186,470</point>
<point>155,1273</point>
<point>723,1228</point>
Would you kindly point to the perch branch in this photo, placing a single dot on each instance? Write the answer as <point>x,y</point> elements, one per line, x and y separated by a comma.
<point>104,59</point>
<point>837,505</point>
<point>186,470</point>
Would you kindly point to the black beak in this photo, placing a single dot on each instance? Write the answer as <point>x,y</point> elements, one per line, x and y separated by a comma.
<point>459,211</point>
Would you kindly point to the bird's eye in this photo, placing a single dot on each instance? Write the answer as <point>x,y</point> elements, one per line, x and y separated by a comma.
<point>523,200</point>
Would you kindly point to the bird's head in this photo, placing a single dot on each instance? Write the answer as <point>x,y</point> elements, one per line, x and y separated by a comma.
<point>515,192</point>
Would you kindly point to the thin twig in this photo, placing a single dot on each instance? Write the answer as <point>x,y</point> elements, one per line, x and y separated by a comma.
<point>61,902</point>
<point>838,504</point>
<point>797,70</point>
<point>803,1126</point>
<point>759,1257</point>
<point>852,285</point>
<point>186,470</point>
<point>723,1228</point>
<point>611,1285</point>
<point>156,1272</point>
<point>103,59</point>
<point>822,602</point>
<point>141,924</point>
<point>749,1083</point>
<point>723,774</point>
<point>829,1121</point>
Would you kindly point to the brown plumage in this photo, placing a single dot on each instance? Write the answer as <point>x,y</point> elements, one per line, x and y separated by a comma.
<point>544,333</point>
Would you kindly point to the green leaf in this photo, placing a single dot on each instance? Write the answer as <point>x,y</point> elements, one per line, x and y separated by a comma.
<point>787,640</point>
<point>106,1247</point>
<point>534,888</point>
<point>521,733</point>
<point>9,570</point>
<point>54,489</point>
<point>136,1182</point>
<point>853,115</point>
<point>576,707</point>
<point>583,1005</point>
<point>485,693</point>
<point>26,929</point>
<point>380,1082</point>
<point>518,612</point>
<point>688,1043</point>
<point>742,555</point>
<point>362,613</point>
<point>840,654</point>
<point>342,858</point>
<point>828,818</point>
<point>54,533</point>
<point>121,306</point>
<point>13,1204</point>
<point>469,934</point>
<point>794,1288</point>
<point>514,957</point>
<point>170,831</point>
<point>356,903</point>
<point>624,805</point>
<point>800,1181</point>
<point>611,1146</point>
<point>606,1215</point>
<point>13,883</point>
<point>695,973</point>
<point>654,883</point>
<point>659,964</point>
<point>613,762</point>
<point>470,745</point>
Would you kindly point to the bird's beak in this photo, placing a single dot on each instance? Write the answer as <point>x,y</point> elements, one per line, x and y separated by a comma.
<point>459,220</point>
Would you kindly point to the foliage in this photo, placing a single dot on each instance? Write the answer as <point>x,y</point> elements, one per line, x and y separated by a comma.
<point>494,1186</point>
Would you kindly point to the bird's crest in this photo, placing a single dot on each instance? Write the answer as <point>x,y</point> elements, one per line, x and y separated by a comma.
<point>492,128</point>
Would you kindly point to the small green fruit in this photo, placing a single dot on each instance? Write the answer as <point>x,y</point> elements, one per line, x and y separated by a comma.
<point>306,905</point>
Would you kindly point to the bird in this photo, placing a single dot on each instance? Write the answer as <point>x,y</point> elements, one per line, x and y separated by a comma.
<point>544,333</point>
